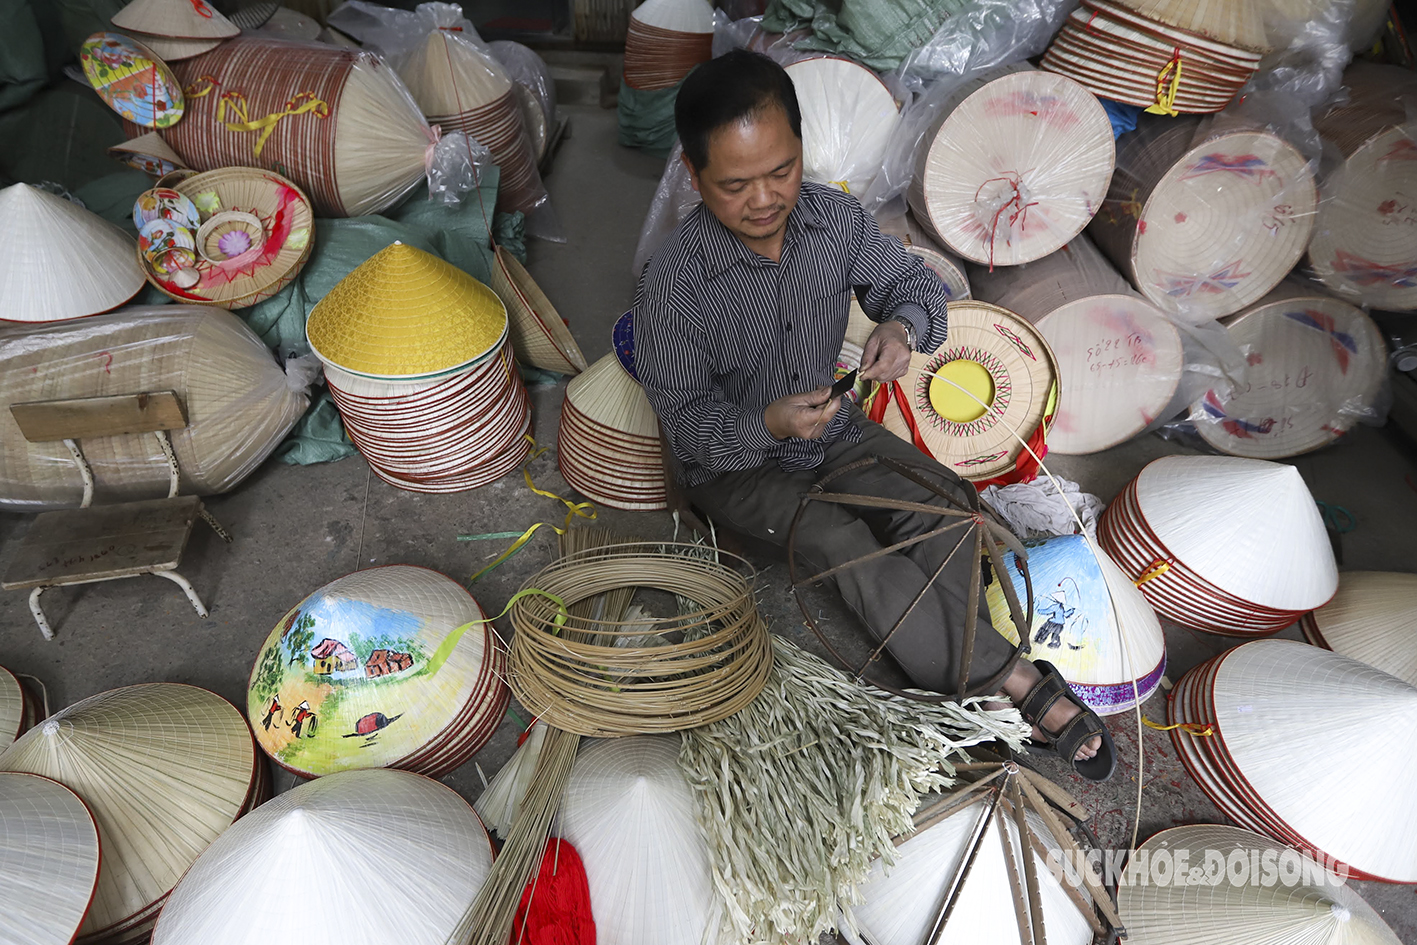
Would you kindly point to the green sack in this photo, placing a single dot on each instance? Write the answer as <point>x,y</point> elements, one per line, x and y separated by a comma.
<point>647,119</point>
<point>878,33</point>
<point>22,66</point>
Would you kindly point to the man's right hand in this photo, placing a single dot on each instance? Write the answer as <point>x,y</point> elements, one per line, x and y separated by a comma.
<point>805,416</point>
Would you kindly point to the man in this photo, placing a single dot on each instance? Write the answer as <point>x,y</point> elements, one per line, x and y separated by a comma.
<point>738,321</point>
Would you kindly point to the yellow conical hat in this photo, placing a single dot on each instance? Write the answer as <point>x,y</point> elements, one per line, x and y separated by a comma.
<point>406,313</point>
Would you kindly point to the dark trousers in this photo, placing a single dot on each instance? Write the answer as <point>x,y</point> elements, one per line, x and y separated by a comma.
<point>762,502</point>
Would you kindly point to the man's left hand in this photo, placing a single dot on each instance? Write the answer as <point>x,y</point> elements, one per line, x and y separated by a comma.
<point>886,356</point>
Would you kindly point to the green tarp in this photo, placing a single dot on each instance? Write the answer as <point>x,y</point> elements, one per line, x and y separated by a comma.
<point>879,33</point>
<point>647,119</point>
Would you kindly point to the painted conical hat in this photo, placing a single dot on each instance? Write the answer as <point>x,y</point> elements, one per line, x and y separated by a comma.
<point>48,860</point>
<point>179,19</point>
<point>13,708</point>
<point>382,667</point>
<point>1315,366</point>
<point>148,153</point>
<point>681,16</point>
<point>1304,905</point>
<point>58,260</point>
<point>1372,619</point>
<point>630,813</point>
<point>1000,359</point>
<point>175,50</point>
<point>1089,620</point>
<point>848,116</point>
<point>1247,526</point>
<point>539,336</point>
<point>449,75</point>
<point>1266,696</point>
<point>900,903</point>
<point>1232,22</point>
<point>164,769</point>
<point>406,313</point>
<point>132,80</point>
<point>362,856</point>
<point>605,394</point>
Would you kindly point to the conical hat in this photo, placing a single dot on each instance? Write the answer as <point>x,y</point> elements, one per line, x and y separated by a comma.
<point>12,708</point>
<point>48,860</point>
<point>1266,696</point>
<point>406,313</point>
<point>681,16</point>
<point>605,394</point>
<point>377,668</point>
<point>179,19</point>
<point>1233,22</point>
<point>1000,359</point>
<point>900,903</point>
<point>631,815</point>
<point>1315,366</point>
<point>848,116</point>
<point>1372,619</point>
<point>1305,905</point>
<point>1247,526</point>
<point>148,153</point>
<point>58,260</point>
<point>539,336</point>
<point>164,769</point>
<point>949,267</point>
<point>448,75</point>
<point>175,50</point>
<point>361,856</point>
<point>132,80</point>
<point>1089,620</point>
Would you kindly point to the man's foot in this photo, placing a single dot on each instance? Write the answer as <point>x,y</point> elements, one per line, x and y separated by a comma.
<point>1024,677</point>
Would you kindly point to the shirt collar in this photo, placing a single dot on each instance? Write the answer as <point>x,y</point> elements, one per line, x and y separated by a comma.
<point>721,249</point>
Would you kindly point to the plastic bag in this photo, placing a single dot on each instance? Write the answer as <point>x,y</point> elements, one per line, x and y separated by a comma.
<point>1315,366</point>
<point>878,33</point>
<point>748,33</point>
<point>536,90</point>
<point>1312,42</point>
<point>848,116</point>
<point>674,199</point>
<point>395,34</point>
<point>456,167</point>
<point>239,403</point>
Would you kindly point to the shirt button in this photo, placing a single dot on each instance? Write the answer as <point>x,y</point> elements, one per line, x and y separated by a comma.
<point>794,376</point>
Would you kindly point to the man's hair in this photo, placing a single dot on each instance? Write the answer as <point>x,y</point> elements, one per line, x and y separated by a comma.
<point>722,91</point>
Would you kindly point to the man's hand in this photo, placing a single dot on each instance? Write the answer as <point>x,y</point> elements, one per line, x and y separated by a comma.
<point>886,356</point>
<point>801,415</point>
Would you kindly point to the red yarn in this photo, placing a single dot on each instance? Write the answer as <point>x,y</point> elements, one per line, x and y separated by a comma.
<point>555,907</point>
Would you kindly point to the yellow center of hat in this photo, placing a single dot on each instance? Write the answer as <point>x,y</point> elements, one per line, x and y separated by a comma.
<point>961,405</point>
<point>406,313</point>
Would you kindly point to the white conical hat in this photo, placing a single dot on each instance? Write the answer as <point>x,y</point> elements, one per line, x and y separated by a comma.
<point>58,260</point>
<point>48,860</point>
<point>1357,806</point>
<point>630,813</point>
<point>179,19</point>
<point>1372,619</point>
<point>12,708</point>
<point>356,858</point>
<point>448,75</point>
<point>848,116</point>
<point>1303,906</point>
<point>1089,621</point>
<point>681,16</point>
<point>501,800</point>
<point>609,396</point>
<point>1248,526</point>
<point>164,768</point>
<point>900,903</point>
<point>175,50</point>
<point>1233,22</point>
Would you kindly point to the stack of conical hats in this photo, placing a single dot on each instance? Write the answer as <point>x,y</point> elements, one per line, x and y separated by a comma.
<point>386,667</point>
<point>1296,902</point>
<point>848,116</point>
<point>164,769</point>
<point>1372,619</point>
<point>666,39</point>
<point>48,860</point>
<point>18,711</point>
<point>1263,705</point>
<point>1231,546</point>
<point>1165,55</point>
<point>58,260</point>
<point>608,446</point>
<point>949,267</point>
<point>416,355</point>
<point>1089,621</point>
<point>175,29</point>
<point>632,816</point>
<point>362,856</point>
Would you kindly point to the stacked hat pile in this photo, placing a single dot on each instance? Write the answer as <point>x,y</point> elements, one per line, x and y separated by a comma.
<point>175,29</point>
<point>1315,366</point>
<point>1167,56</point>
<point>18,710</point>
<point>1371,619</point>
<point>386,667</point>
<point>1264,705</point>
<point>666,39</point>
<point>608,446</point>
<point>48,862</point>
<point>848,116</point>
<point>1230,546</point>
<point>416,355</point>
<point>164,769</point>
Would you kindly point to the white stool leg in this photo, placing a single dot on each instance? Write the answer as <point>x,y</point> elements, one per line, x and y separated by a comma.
<point>35,609</point>
<point>182,582</point>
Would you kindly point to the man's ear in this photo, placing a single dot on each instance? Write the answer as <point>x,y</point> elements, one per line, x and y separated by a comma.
<point>693,174</point>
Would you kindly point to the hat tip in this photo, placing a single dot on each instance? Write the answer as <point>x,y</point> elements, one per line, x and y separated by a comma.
<point>1340,912</point>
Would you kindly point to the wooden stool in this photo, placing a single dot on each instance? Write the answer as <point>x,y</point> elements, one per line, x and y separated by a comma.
<point>108,542</point>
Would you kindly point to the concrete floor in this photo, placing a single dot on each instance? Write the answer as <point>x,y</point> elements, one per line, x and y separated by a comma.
<point>299,527</point>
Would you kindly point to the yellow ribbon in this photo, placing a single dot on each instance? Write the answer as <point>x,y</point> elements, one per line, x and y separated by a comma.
<point>450,642</point>
<point>841,184</point>
<point>1155,570</point>
<point>1166,98</point>
<point>235,103</point>
<point>1196,729</point>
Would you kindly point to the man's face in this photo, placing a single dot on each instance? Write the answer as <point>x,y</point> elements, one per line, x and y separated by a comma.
<point>753,175</point>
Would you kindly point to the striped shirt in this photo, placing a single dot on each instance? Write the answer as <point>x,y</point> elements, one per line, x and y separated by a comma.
<point>721,332</point>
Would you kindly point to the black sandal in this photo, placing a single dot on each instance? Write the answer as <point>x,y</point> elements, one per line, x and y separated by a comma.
<point>1065,742</point>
